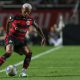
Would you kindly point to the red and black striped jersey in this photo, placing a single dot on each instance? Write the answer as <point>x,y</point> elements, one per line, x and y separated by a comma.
<point>22,23</point>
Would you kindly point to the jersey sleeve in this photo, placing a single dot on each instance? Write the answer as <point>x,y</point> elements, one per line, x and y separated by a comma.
<point>12,21</point>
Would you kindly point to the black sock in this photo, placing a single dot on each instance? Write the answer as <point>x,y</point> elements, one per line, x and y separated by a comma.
<point>27,60</point>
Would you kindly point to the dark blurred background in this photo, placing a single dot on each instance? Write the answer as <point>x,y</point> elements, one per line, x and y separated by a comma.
<point>47,14</point>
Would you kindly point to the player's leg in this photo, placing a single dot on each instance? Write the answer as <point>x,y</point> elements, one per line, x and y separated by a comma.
<point>8,50</point>
<point>27,52</point>
<point>22,48</point>
<point>7,54</point>
<point>28,55</point>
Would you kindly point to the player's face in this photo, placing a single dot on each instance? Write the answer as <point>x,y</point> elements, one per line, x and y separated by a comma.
<point>26,11</point>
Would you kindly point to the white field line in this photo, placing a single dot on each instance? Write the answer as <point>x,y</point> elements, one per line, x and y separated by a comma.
<point>60,67</point>
<point>37,56</point>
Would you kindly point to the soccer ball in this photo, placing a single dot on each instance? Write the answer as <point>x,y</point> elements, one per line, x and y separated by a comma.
<point>11,70</point>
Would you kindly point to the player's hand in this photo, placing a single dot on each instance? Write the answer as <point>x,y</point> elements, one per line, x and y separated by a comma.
<point>43,42</point>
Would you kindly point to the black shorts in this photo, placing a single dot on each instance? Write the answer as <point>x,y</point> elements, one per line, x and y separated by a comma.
<point>17,43</point>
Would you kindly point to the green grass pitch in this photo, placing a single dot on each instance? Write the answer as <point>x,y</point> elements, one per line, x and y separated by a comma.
<point>59,64</point>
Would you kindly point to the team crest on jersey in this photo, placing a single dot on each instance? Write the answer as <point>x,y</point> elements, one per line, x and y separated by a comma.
<point>10,41</point>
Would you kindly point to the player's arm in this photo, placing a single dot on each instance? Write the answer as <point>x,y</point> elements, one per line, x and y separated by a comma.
<point>40,32</point>
<point>11,23</point>
<point>8,25</point>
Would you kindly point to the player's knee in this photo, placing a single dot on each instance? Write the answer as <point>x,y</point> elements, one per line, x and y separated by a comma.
<point>9,52</point>
<point>9,49</point>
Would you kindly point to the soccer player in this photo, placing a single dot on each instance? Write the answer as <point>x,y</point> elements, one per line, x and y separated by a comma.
<point>17,27</point>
